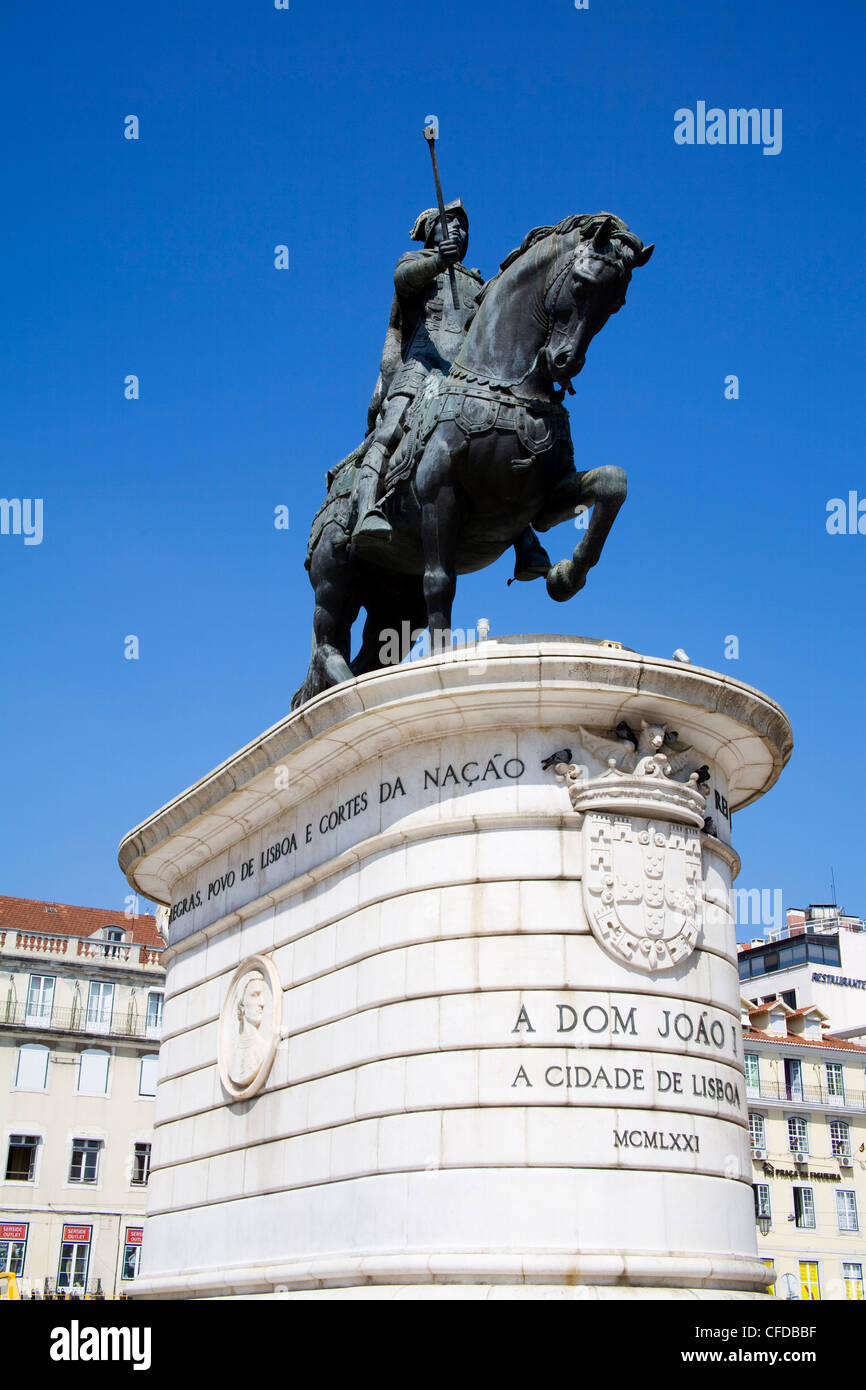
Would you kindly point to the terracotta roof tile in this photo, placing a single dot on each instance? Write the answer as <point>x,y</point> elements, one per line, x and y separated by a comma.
<point>794,1040</point>
<point>62,919</point>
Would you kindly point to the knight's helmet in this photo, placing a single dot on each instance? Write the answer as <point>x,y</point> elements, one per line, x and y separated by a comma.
<point>425,222</point>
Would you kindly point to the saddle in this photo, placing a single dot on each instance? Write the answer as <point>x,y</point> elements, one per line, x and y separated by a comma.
<point>477,407</point>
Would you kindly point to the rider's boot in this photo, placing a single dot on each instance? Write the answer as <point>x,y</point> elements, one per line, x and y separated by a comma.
<point>372,527</point>
<point>531,560</point>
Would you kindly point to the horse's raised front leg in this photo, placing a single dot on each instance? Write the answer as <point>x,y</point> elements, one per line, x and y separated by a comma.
<point>437,495</point>
<point>604,489</point>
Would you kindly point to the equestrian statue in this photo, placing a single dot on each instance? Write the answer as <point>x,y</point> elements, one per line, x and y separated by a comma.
<point>468,449</point>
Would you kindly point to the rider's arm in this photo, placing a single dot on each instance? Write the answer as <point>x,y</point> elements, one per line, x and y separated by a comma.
<point>416,270</point>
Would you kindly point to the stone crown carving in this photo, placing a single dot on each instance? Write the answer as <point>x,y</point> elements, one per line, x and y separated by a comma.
<point>641,776</point>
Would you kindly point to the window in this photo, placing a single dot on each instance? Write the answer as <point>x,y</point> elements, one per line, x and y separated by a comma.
<point>753,1074</point>
<point>74,1257</point>
<point>100,1000</point>
<point>131,1252</point>
<point>32,1071</point>
<point>853,1276</point>
<point>762,1199</point>
<point>798,1135</point>
<point>113,934</point>
<point>757,1131</point>
<point>21,1158</point>
<point>93,1072</point>
<point>835,1081</point>
<point>40,1000</point>
<point>826,953</point>
<point>846,1210</point>
<point>154,1013</point>
<point>771,1288</point>
<point>810,1289</point>
<point>793,1078</point>
<point>13,1247</point>
<point>84,1166</point>
<point>140,1164</point>
<point>147,1074</point>
<point>804,1208</point>
<point>840,1138</point>
<point>754,963</point>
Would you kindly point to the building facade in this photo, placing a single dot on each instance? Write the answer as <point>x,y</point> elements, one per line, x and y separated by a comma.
<point>806,1093</point>
<point>818,957</point>
<point>80,1018</point>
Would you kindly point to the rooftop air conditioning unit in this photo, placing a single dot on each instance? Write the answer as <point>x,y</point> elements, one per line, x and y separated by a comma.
<point>800,1157</point>
<point>759,1153</point>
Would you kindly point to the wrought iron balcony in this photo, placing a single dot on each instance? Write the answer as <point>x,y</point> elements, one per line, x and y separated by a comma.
<point>119,1023</point>
<point>807,1096</point>
<point>66,1289</point>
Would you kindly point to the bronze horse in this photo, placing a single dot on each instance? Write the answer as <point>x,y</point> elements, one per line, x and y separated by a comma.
<point>486,453</point>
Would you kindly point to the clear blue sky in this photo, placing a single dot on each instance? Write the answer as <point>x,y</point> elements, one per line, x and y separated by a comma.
<point>302,127</point>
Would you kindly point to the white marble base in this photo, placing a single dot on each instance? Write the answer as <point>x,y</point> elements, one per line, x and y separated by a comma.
<point>479,1087</point>
<point>510,1293</point>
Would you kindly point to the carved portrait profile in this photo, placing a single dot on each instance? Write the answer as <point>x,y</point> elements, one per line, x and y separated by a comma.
<point>249,1027</point>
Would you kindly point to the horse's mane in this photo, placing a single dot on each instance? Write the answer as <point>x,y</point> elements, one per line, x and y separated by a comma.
<point>590,220</point>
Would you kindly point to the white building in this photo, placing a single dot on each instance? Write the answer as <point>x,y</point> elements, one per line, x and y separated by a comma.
<point>80,1018</point>
<point>806,1093</point>
<point>818,958</point>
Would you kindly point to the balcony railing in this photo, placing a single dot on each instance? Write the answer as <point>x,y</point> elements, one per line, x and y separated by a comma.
<point>119,1023</point>
<point>808,1096</point>
<point>57,1289</point>
<point>128,954</point>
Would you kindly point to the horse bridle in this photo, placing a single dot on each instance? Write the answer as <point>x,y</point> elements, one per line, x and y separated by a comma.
<point>552,291</point>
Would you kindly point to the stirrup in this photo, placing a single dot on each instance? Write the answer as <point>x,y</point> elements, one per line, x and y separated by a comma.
<point>373,529</point>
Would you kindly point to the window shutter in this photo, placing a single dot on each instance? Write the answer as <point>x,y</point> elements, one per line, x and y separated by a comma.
<point>93,1072</point>
<point>147,1076</point>
<point>32,1067</point>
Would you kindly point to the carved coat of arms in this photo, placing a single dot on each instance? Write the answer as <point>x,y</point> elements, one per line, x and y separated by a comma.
<point>642,888</point>
<point>642,865</point>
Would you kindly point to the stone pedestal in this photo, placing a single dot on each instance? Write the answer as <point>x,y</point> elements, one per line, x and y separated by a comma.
<point>451,992</point>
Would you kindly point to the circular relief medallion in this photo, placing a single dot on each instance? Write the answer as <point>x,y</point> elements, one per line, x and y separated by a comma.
<point>249,1027</point>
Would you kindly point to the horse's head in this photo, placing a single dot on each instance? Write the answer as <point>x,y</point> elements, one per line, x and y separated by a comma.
<point>589,283</point>
<point>536,318</point>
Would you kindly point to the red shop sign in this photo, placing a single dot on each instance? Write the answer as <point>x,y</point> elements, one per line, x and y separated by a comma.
<point>134,1234</point>
<point>13,1232</point>
<point>77,1235</point>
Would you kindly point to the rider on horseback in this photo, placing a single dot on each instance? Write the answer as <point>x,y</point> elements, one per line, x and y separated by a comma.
<point>425,333</point>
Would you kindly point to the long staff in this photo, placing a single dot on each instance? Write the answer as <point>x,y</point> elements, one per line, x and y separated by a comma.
<point>431,130</point>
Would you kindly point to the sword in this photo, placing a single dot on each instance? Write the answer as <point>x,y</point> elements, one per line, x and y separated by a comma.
<point>431,130</point>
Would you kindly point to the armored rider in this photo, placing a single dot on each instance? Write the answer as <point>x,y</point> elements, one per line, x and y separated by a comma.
<point>425,333</point>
